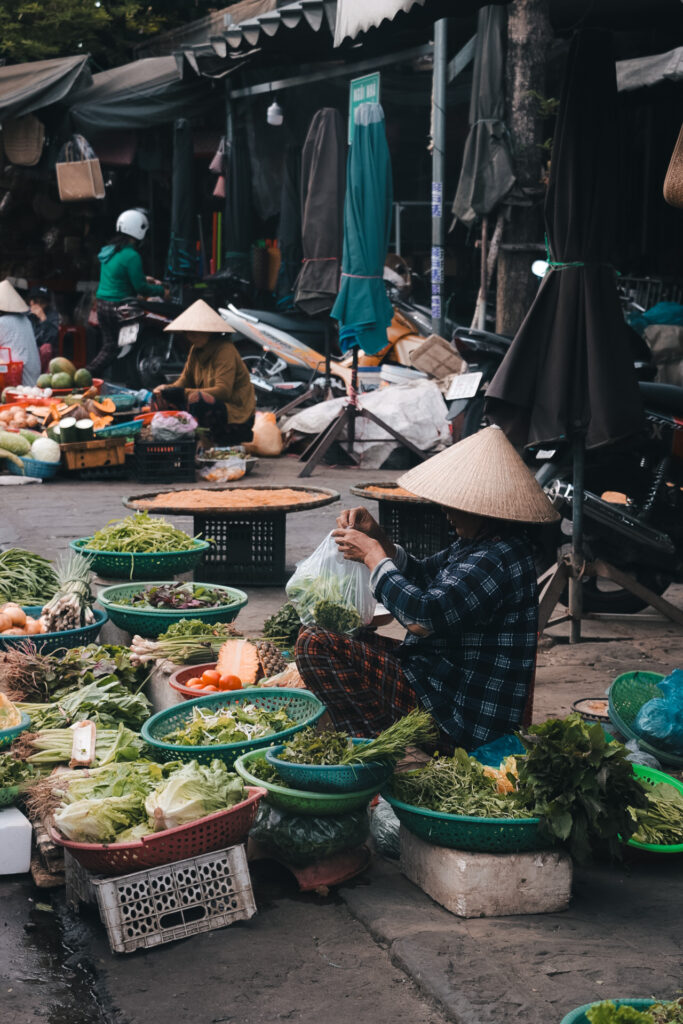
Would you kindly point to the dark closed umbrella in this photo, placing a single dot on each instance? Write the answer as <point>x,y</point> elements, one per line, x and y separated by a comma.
<point>568,372</point>
<point>182,249</point>
<point>322,208</point>
<point>362,307</point>
<point>238,209</point>
<point>289,227</point>
<point>487,173</point>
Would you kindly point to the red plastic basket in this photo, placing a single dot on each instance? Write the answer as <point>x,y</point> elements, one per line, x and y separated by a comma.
<point>10,372</point>
<point>179,677</point>
<point>216,831</point>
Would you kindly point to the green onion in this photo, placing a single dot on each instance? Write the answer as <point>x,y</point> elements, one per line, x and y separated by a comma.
<point>140,534</point>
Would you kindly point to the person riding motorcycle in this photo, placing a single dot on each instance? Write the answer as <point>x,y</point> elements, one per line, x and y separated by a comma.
<point>122,278</point>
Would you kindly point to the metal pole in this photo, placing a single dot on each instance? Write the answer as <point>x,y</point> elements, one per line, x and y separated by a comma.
<point>439,170</point>
<point>483,288</point>
<point>576,582</point>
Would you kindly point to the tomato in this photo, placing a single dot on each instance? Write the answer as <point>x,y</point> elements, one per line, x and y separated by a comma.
<point>211,677</point>
<point>194,682</point>
<point>230,683</point>
<point>210,689</point>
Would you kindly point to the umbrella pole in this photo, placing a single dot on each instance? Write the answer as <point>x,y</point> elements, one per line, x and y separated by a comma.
<point>328,358</point>
<point>484,274</point>
<point>577,559</point>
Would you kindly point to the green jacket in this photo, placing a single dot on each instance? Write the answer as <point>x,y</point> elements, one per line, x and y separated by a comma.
<point>122,276</point>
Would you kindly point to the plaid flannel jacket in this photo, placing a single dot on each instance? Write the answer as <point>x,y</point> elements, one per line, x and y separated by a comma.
<point>474,609</point>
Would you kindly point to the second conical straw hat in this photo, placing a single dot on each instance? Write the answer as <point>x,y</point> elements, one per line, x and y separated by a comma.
<point>201,318</point>
<point>483,475</point>
<point>10,299</point>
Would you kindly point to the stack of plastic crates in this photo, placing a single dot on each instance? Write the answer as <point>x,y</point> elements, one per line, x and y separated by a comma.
<point>165,461</point>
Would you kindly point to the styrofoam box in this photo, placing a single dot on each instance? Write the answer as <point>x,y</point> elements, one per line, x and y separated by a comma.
<point>15,842</point>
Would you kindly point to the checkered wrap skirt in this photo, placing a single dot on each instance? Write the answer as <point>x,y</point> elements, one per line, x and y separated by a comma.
<point>360,681</point>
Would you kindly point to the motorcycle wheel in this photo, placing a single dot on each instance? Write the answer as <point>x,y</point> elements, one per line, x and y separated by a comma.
<point>156,360</point>
<point>259,362</point>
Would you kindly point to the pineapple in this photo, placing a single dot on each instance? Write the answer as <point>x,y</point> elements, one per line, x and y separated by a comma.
<point>270,657</point>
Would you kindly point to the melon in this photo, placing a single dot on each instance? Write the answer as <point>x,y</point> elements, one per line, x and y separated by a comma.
<point>44,381</point>
<point>82,378</point>
<point>61,365</point>
<point>62,380</point>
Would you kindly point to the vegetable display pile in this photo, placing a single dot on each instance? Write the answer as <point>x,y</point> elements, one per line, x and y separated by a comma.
<point>51,747</point>
<point>660,823</point>
<point>580,785</point>
<point>178,596</point>
<point>26,674</point>
<point>456,785</point>
<point>184,642</point>
<point>236,723</point>
<point>659,1013</point>
<point>283,627</point>
<point>26,578</point>
<point>322,600</point>
<point>124,802</point>
<point>332,748</point>
<point>104,701</point>
<point>140,534</point>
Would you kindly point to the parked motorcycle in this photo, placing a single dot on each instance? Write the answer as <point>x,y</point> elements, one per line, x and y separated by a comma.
<point>147,356</point>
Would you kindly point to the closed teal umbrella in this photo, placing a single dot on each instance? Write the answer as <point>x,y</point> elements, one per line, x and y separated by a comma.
<point>362,307</point>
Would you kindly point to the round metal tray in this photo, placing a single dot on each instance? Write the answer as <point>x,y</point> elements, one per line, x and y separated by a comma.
<point>319,496</point>
<point>360,490</point>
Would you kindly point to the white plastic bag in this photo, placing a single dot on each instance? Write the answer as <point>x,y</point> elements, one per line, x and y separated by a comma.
<point>179,427</point>
<point>331,592</point>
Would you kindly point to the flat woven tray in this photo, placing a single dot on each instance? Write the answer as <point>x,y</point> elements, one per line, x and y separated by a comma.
<point>319,496</point>
<point>361,491</point>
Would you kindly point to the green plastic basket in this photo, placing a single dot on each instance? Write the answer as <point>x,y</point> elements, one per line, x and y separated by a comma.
<point>331,778</point>
<point>578,1016</point>
<point>303,707</point>
<point>157,565</point>
<point>461,832</point>
<point>46,643</point>
<point>150,622</point>
<point>627,694</point>
<point>653,776</point>
<point>298,801</point>
<point>8,736</point>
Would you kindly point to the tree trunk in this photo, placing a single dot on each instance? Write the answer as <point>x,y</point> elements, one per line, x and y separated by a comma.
<point>528,38</point>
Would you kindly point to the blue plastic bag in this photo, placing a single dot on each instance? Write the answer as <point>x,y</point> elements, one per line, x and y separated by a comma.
<point>660,721</point>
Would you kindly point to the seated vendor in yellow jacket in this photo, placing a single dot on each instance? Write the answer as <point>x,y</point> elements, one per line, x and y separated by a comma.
<point>214,386</point>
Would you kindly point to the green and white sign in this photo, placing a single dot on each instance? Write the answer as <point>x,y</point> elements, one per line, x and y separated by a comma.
<point>362,90</point>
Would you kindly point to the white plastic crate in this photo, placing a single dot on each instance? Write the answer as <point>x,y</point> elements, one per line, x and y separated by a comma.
<point>162,904</point>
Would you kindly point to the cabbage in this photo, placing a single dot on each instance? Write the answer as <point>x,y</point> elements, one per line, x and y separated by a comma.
<point>192,792</point>
<point>45,450</point>
<point>99,819</point>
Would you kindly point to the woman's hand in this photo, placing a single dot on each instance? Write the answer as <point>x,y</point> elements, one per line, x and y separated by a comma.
<point>361,520</point>
<point>358,547</point>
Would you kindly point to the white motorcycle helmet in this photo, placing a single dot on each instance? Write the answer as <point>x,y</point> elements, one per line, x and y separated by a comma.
<point>134,223</point>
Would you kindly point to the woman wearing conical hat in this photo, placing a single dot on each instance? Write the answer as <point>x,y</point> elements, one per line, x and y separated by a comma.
<point>16,333</point>
<point>470,612</point>
<point>215,386</point>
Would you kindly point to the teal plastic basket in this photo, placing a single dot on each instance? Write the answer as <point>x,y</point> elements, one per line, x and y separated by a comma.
<point>331,778</point>
<point>8,736</point>
<point>303,707</point>
<point>127,429</point>
<point>653,777</point>
<point>462,832</point>
<point>578,1016</point>
<point>48,642</point>
<point>627,694</point>
<point>150,622</point>
<point>298,801</point>
<point>156,565</point>
<point>35,468</point>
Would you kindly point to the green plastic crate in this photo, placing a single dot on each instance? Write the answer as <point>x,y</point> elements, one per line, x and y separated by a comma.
<point>151,622</point>
<point>301,706</point>
<point>627,694</point>
<point>156,565</point>
<point>297,801</point>
<point>462,832</point>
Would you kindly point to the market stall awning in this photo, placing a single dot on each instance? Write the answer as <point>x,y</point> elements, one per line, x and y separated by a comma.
<point>316,14</point>
<point>644,71</point>
<point>25,88</point>
<point>138,95</point>
<point>356,16</point>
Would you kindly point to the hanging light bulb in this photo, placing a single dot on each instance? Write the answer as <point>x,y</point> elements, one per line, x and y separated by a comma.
<point>274,114</point>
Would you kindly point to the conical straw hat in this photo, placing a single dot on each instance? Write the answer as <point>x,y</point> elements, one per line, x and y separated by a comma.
<point>201,318</point>
<point>482,475</point>
<point>10,299</point>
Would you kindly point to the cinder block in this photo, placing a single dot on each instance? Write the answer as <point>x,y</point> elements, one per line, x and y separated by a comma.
<point>488,884</point>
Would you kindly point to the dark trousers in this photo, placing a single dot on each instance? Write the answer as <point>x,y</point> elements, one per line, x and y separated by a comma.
<point>109,333</point>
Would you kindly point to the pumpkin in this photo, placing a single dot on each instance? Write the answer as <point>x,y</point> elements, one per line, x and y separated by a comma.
<point>239,658</point>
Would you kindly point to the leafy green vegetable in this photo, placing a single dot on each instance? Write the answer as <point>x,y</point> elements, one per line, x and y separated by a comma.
<point>659,1013</point>
<point>178,596</point>
<point>580,785</point>
<point>35,676</point>
<point>235,723</point>
<point>14,772</point>
<point>139,534</point>
<point>100,819</point>
<point>310,747</point>
<point>192,792</point>
<point>336,617</point>
<point>660,823</point>
<point>104,701</point>
<point>186,641</point>
<point>26,578</point>
<point>455,785</point>
<point>53,746</point>
<point>322,599</point>
<point>283,627</point>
